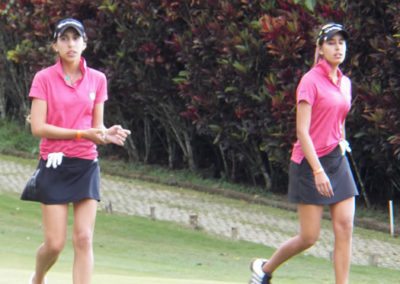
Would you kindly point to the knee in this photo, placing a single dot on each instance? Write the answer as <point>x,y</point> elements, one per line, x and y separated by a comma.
<point>344,228</point>
<point>308,241</point>
<point>54,246</point>
<point>82,240</point>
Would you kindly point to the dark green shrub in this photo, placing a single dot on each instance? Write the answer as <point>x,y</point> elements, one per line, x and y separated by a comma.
<point>210,85</point>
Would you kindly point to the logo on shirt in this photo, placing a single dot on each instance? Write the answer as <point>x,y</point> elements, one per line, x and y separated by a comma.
<point>92,95</point>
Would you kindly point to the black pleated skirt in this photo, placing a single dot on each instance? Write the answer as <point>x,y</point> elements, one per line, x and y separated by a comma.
<point>72,181</point>
<point>302,187</point>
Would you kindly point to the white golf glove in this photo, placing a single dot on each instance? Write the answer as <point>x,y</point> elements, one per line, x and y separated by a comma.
<point>344,147</point>
<point>54,160</point>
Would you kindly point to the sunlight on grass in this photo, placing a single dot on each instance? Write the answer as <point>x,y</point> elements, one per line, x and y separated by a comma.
<point>139,250</point>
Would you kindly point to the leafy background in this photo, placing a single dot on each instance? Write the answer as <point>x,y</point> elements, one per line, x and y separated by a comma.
<point>209,85</point>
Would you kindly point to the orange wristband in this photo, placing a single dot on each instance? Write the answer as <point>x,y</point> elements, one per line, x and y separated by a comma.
<point>78,135</point>
<point>318,171</point>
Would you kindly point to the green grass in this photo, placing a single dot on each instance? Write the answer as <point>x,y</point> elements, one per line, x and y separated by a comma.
<point>139,250</point>
<point>16,139</point>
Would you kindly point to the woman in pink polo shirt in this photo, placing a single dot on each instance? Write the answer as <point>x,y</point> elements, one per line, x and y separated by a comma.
<point>67,114</point>
<point>319,172</point>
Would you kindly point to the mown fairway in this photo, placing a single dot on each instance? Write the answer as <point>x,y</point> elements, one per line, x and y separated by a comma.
<point>139,250</point>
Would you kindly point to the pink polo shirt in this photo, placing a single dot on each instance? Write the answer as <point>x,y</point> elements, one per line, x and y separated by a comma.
<point>330,105</point>
<point>69,107</point>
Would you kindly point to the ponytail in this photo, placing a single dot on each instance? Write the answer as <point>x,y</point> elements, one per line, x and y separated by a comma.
<point>317,56</point>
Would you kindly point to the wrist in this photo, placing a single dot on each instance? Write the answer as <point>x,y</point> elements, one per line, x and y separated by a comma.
<point>78,134</point>
<point>318,171</point>
<point>104,135</point>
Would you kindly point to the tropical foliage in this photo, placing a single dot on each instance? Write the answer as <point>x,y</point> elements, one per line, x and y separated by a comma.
<point>209,85</point>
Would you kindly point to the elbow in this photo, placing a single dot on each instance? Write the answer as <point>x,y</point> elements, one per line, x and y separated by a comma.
<point>36,131</point>
<point>300,134</point>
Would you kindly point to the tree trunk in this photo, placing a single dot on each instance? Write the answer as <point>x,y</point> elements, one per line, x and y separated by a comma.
<point>261,165</point>
<point>2,97</point>
<point>171,151</point>
<point>181,133</point>
<point>2,78</point>
<point>224,161</point>
<point>147,139</point>
<point>233,170</point>
<point>133,154</point>
<point>189,151</point>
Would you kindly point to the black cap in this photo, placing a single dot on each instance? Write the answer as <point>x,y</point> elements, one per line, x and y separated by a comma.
<point>69,23</point>
<point>329,30</point>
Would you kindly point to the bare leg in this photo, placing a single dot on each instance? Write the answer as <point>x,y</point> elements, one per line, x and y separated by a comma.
<point>310,223</point>
<point>84,221</point>
<point>342,220</point>
<point>54,218</point>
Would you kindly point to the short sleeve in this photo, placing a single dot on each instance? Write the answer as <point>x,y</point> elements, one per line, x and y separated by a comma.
<point>38,88</point>
<point>306,90</point>
<point>345,87</point>
<point>101,90</point>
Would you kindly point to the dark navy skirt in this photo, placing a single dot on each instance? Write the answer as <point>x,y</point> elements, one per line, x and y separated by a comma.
<point>302,187</point>
<point>72,181</point>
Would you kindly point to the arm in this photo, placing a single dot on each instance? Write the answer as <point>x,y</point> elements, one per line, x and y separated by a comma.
<point>40,128</point>
<point>303,121</point>
<point>98,116</point>
<point>344,131</point>
<point>115,134</point>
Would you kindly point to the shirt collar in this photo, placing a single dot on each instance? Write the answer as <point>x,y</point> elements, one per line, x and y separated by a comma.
<point>60,72</point>
<point>325,68</point>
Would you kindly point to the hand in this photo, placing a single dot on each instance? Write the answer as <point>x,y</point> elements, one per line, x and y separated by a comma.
<point>115,135</point>
<point>54,159</point>
<point>323,184</point>
<point>96,135</point>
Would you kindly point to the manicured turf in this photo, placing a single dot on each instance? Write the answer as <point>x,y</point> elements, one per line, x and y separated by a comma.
<point>139,250</point>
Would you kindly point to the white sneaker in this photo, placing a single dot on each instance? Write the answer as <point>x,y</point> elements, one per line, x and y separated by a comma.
<point>258,276</point>
<point>33,275</point>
